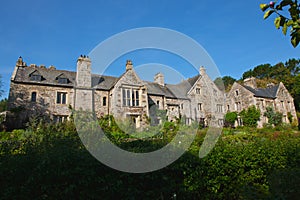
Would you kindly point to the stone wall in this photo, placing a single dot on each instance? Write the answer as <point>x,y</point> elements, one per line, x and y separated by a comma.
<point>207,102</point>
<point>20,102</point>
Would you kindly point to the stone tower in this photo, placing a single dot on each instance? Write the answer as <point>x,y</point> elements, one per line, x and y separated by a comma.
<point>83,86</point>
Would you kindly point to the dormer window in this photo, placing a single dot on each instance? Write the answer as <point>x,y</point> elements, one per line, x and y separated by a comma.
<point>36,77</point>
<point>62,80</point>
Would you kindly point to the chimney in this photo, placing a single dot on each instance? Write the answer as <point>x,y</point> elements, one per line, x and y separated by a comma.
<point>83,76</point>
<point>159,79</point>
<point>20,62</point>
<point>202,71</point>
<point>251,82</point>
<point>129,65</point>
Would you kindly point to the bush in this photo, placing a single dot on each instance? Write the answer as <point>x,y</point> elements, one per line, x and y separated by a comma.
<point>275,118</point>
<point>230,119</point>
<point>250,116</point>
<point>50,162</point>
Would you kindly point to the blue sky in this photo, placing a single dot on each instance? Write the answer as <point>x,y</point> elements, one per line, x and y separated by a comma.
<point>57,32</point>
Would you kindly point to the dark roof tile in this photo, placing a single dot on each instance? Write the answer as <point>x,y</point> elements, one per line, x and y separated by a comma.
<point>269,92</point>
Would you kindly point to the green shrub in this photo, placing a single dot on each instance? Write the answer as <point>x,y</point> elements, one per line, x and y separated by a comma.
<point>250,116</point>
<point>230,119</point>
<point>275,118</point>
<point>50,162</point>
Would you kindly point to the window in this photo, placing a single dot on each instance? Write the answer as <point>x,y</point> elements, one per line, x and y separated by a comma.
<point>220,122</point>
<point>59,119</point>
<point>219,108</point>
<point>36,77</point>
<point>182,106</point>
<point>137,102</point>
<point>104,101</point>
<point>62,80</point>
<point>61,98</point>
<point>228,107</point>
<point>237,93</point>
<point>157,103</point>
<point>130,97</point>
<point>199,106</point>
<point>238,106</point>
<point>33,97</point>
<point>198,91</point>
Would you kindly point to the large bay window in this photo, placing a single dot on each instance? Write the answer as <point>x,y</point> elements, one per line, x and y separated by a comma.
<point>130,97</point>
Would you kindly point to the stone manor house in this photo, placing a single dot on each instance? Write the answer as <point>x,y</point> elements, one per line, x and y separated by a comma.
<point>241,96</point>
<point>37,89</point>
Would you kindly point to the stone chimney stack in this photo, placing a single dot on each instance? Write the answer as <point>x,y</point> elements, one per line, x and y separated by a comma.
<point>20,62</point>
<point>159,79</point>
<point>251,82</point>
<point>129,65</point>
<point>83,76</point>
<point>202,71</point>
<point>83,92</point>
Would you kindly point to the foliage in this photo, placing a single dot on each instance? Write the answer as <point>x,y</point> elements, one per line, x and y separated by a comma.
<point>48,161</point>
<point>292,22</point>
<point>3,105</point>
<point>250,116</point>
<point>224,83</point>
<point>230,118</point>
<point>290,117</point>
<point>275,118</point>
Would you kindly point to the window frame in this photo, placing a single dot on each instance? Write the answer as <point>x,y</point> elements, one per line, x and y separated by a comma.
<point>61,98</point>
<point>130,97</point>
<point>33,97</point>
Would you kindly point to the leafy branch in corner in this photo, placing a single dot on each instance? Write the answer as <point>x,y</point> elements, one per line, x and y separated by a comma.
<point>291,22</point>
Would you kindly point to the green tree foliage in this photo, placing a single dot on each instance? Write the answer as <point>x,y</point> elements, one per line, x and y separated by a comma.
<point>219,83</point>
<point>3,105</point>
<point>250,116</point>
<point>230,118</point>
<point>291,22</point>
<point>224,83</point>
<point>275,118</point>
<point>50,162</point>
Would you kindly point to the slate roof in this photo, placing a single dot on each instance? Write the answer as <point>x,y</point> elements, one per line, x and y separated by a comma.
<point>269,92</point>
<point>103,82</point>
<point>156,89</point>
<point>50,77</point>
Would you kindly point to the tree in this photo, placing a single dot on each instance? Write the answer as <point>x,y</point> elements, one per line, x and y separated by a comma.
<point>230,118</point>
<point>219,83</point>
<point>3,105</point>
<point>275,118</point>
<point>224,83</point>
<point>228,82</point>
<point>292,22</point>
<point>250,116</point>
